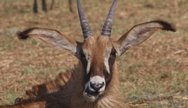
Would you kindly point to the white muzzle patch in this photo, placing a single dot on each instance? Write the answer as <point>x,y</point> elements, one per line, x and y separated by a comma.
<point>96,80</point>
<point>94,88</point>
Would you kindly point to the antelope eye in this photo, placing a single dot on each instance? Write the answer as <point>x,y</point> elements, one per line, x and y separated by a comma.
<point>83,55</point>
<point>113,53</point>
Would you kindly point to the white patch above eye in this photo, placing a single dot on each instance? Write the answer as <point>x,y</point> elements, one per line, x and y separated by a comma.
<point>107,64</point>
<point>88,58</point>
<point>88,66</point>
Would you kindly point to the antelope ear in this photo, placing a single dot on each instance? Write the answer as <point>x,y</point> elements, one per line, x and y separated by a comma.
<point>50,36</point>
<point>139,33</point>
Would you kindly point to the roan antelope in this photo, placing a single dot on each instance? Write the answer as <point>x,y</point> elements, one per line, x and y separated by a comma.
<point>94,83</point>
<point>44,6</point>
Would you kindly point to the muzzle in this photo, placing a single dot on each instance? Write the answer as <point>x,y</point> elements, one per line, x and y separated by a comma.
<point>94,88</point>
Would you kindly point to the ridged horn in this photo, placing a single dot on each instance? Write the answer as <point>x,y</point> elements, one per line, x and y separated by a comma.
<point>83,21</point>
<point>107,27</point>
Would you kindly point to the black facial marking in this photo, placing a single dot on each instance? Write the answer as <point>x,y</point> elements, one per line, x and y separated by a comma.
<point>112,59</point>
<point>111,62</point>
<point>84,63</point>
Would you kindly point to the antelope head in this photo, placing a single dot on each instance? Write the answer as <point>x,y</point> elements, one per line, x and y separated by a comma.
<point>98,53</point>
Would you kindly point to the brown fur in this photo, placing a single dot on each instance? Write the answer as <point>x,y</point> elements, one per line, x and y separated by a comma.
<point>60,81</point>
<point>40,104</point>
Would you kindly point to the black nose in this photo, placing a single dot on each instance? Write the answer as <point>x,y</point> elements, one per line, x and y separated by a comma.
<point>96,86</point>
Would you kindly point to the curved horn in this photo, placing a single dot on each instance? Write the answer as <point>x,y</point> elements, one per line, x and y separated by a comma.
<point>83,21</point>
<point>107,27</point>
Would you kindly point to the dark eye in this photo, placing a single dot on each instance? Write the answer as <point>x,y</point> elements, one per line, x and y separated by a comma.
<point>113,53</point>
<point>83,56</point>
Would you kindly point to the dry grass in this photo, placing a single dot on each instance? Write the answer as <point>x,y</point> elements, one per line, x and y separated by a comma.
<point>154,74</point>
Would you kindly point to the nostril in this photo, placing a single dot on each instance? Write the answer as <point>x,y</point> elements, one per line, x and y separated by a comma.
<point>96,86</point>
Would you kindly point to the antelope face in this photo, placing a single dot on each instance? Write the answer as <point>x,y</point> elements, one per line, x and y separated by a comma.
<point>97,54</point>
<point>98,57</point>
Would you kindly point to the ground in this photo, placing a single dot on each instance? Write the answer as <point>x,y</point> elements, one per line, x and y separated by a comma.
<point>153,74</point>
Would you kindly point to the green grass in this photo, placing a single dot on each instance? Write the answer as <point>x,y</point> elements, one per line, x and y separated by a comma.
<point>157,68</point>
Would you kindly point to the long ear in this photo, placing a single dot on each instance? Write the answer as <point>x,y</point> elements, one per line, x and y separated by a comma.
<point>50,36</point>
<point>139,33</point>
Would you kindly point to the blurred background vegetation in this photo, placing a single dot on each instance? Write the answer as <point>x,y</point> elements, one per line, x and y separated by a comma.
<point>153,75</point>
